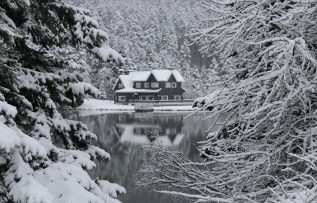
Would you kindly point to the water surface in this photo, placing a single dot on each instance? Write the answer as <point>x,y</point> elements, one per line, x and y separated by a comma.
<point>124,134</point>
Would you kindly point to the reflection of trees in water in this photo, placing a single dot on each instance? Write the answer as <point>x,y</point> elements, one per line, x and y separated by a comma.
<point>195,130</point>
<point>152,124</point>
<point>101,125</point>
<point>126,158</point>
<point>164,169</point>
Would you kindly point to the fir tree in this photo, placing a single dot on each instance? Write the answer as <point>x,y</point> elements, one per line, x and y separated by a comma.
<point>43,156</point>
<point>152,33</point>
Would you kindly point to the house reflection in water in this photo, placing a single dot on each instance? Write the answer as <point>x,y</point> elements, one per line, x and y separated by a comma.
<point>141,129</point>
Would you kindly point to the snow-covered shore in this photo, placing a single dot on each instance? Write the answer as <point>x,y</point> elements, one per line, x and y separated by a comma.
<point>97,104</point>
<point>107,105</point>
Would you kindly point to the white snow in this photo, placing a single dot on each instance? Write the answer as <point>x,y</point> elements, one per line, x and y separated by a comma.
<point>7,20</point>
<point>106,53</point>
<point>110,107</point>
<point>84,19</point>
<point>58,182</point>
<point>27,188</point>
<point>126,81</point>
<point>36,170</point>
<point>178,76</point>
<point>164,75</point>
<point>27,2</point>
<point>95,104</point>
<point>141,76</point>
<point>69,183</point>
<point>8,138</point>
<point>78,158</point>
<point>7,25</point>
<point>12,137</point>
<point>299,196</point>
<point>111,188</point>
<point>83,88</point>
<point>7,109</point>
<point>160,75</point>
<point>95,152</point>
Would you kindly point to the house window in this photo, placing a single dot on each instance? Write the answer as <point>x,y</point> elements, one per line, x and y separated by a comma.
<point>146,85</point>
<point>120,85</point>
<point>121,98</point>
<point>168,85</point>
<point>173,85</point>
<point>177,97</point>
<point>138,85</point>
<point>155,84</point>
<point>164,97</point>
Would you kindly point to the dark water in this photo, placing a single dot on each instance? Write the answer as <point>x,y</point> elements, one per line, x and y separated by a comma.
<point>124,134</point>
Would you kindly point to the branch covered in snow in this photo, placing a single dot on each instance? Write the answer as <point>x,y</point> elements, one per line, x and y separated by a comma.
<point>44,157</point>
<point>266,148</point>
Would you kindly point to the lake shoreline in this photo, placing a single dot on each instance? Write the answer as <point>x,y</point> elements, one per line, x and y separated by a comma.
<point>124,134</point>
<point>111,107</point>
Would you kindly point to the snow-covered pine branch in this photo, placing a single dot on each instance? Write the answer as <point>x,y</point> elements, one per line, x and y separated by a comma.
<point>87,30</point>
<point>44,157</point>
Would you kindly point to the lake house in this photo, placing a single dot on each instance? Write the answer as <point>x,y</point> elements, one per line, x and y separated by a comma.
<point>155,85</point>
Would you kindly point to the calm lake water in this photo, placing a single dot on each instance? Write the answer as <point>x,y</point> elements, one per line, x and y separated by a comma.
<point>124,134</point>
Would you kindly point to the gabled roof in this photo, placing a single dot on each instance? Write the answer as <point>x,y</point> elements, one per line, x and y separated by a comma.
<point>178,76</point>
<point>141,76</point>
<point>126,81</point>
<point>162,75</point>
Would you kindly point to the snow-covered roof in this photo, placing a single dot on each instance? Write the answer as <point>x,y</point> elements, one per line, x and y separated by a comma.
<point>140,75</point>
<point>126,81</point>
<point>164,75</point>
<point>178,76</point>
<point>132,90</point>
<point>160,76</point>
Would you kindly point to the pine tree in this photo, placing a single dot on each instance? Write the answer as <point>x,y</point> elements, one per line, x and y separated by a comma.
<point>152,33</point>
<point>43,157</point>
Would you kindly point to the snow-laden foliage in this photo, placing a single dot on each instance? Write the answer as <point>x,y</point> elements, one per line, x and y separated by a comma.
<point>265,150</point>
<point>152,35</point>
<point>44,157</point>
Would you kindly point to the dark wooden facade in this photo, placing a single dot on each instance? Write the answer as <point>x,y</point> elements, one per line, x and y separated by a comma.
<point>159,93</point>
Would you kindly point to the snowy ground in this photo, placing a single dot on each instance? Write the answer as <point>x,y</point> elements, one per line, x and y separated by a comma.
<point>96,104</point>
<point>106,105</point>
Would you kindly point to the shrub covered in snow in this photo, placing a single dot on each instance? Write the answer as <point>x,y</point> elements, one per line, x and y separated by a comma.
<point>44,157</point>
<point>266,149</point>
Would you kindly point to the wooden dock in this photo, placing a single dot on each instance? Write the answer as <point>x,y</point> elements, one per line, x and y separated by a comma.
<point>143,107</point>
